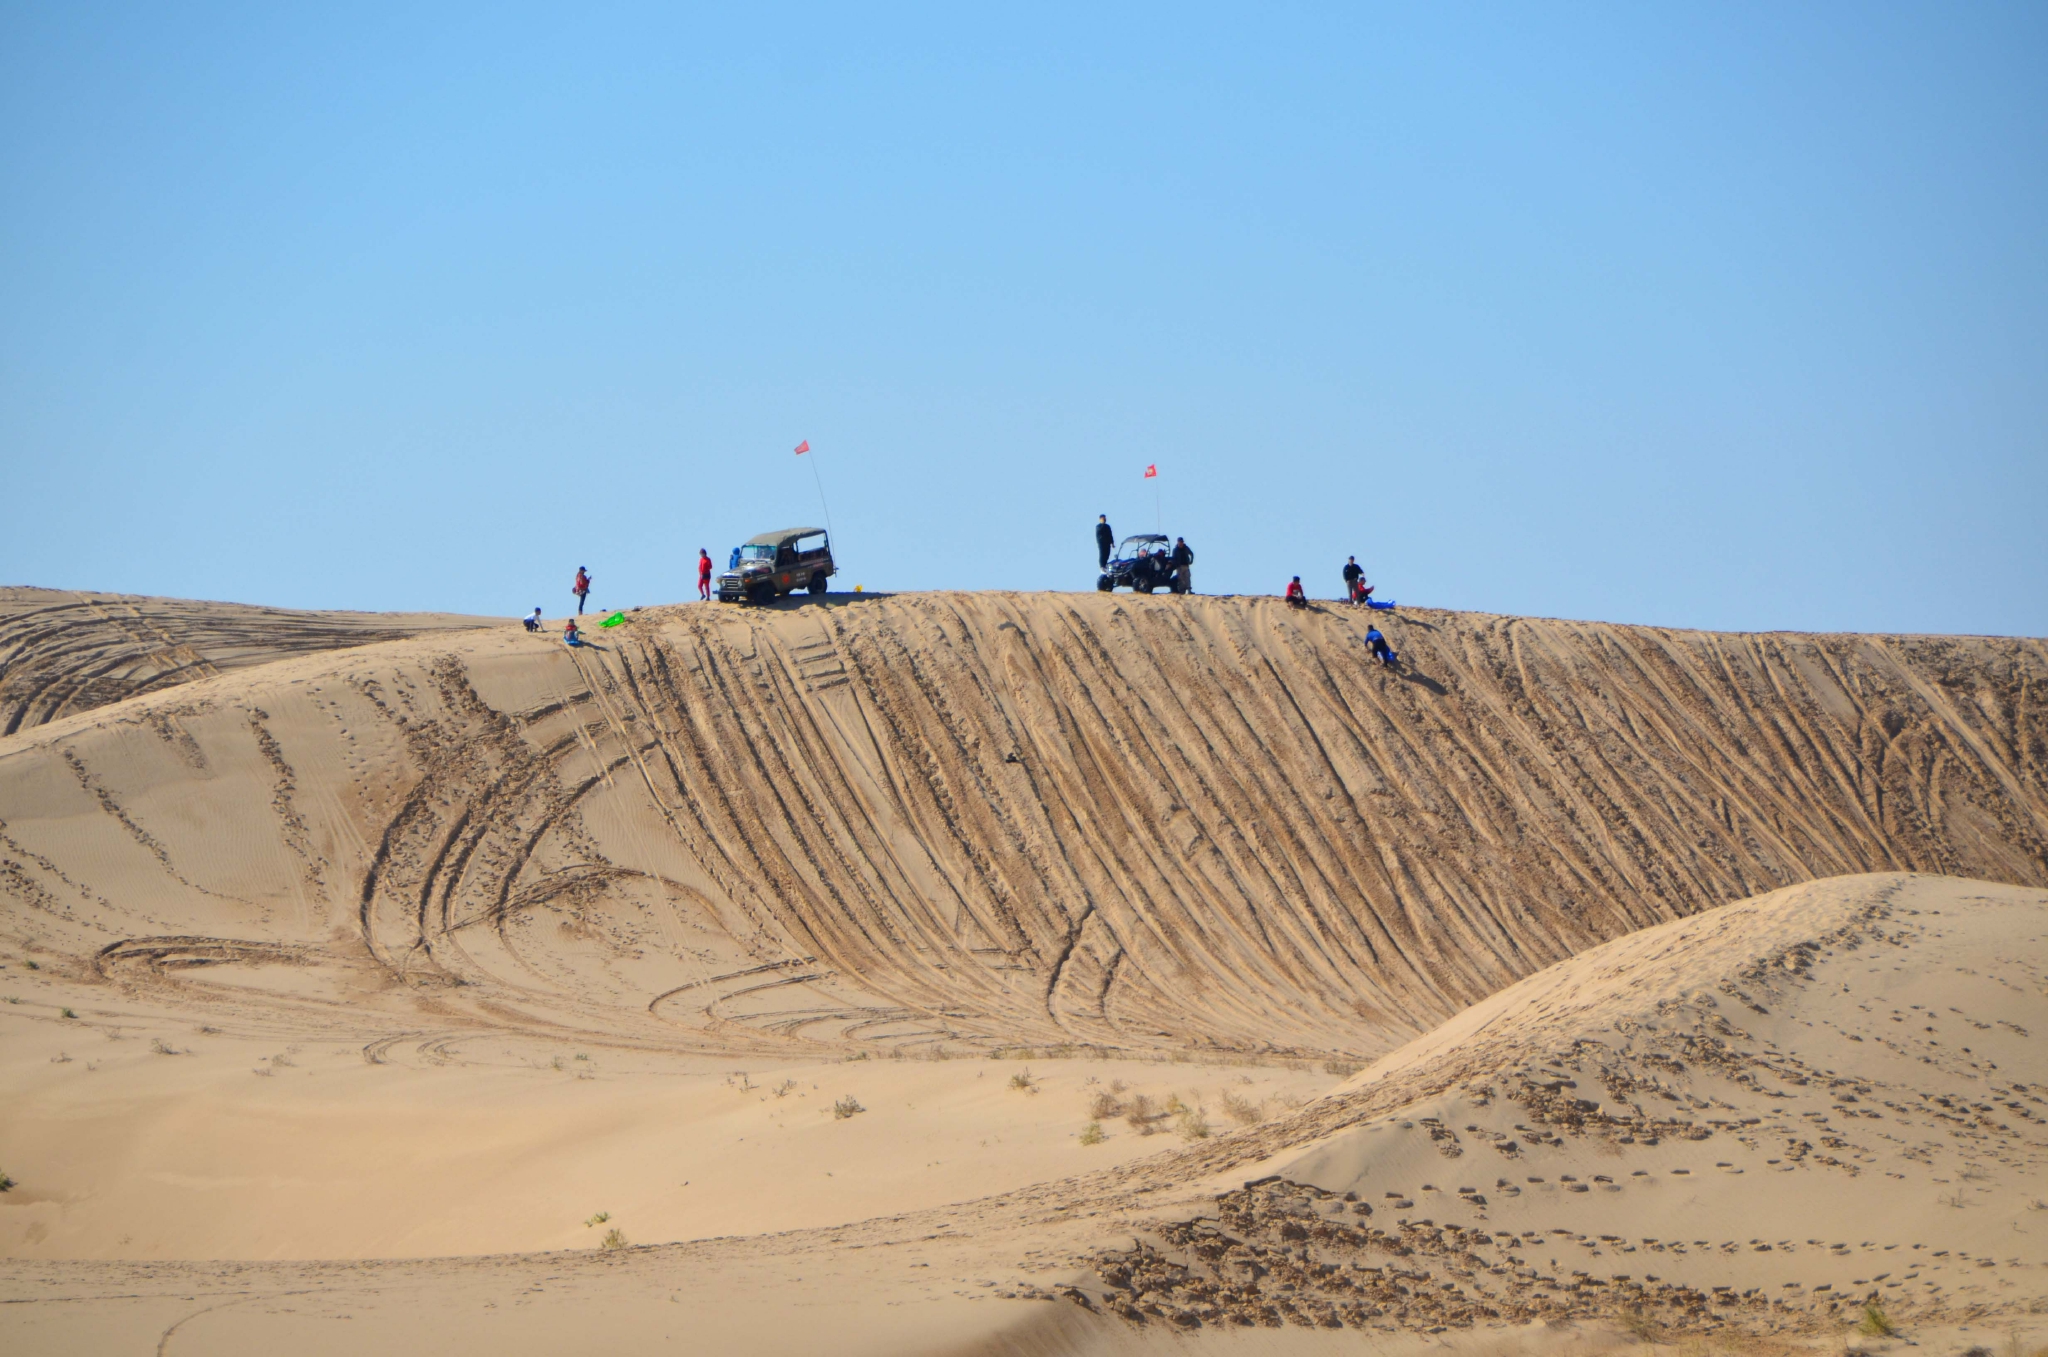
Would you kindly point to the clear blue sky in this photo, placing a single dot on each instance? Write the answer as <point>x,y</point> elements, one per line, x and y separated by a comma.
<point>1732,316</point>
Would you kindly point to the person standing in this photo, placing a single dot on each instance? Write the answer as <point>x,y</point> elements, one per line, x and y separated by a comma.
<point>1355,587</point>
<point>581,588</point>
<point>703,574</point>
<point>1105,541</point>
<point>1183,566</point>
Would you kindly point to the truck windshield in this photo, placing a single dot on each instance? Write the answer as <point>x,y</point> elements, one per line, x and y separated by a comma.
<point>757,553</point>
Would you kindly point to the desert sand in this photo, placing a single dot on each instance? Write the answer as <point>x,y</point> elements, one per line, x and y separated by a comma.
<point>1194,980</point>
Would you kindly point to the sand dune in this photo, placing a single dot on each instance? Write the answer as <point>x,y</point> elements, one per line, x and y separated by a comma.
<point>65,651</point>
<point>497,927</point>
<point>967,821</point>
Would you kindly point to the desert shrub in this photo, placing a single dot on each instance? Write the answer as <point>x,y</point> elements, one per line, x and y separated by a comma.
<point>1022,1080</point>
<point>846,1107</point>
<point>1639,1325</point>
<point>1343,1069</point>
<point>785,1088</point>
<point>1141,1114</point>
<point>596,1220</point>
<point>1192,1125</point>
<point>6,1183</point>
<point>1242,1110</point>
<point>1105,1106</point>
<point>1875,1324</point>
<point>1091,1134</point>
<point>66,1013</point>
<point>32,965</point>
<point>613,1239</point>
<point>156,1044</point>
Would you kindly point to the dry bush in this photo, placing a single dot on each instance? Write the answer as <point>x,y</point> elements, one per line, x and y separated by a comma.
<point>1192,1124</point>
<point>846,1107</point>
<point>1343,1069</point>
<point>1022,1080</point>
<point>1141,1114</point>
<point>1105,1105</point>
<point>1242,1110</point>
<point>1091,1134</point>
<point>1875,1324</point>
<point>613,1239</point>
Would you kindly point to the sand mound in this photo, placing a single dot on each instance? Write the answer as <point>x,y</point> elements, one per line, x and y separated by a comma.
<point>968,821</point>
<point>1769,1116</point>
<point>463,942</point>
<point>62,651</point>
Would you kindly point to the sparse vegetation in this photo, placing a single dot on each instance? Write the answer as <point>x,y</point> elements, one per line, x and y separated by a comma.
<point>6,1183</point>
<point>1105,1105</point>
<point>597,1220</point>
<point>1639,1326</point>
<point>846,1107</point>
<point>282,1061</point>
<point>1022,1080</point>
<point>1140,1115</point>
<point>31,965</point>
<point>1874,1324</point>
<point>1192,1125</point>
<point>1343,1069</point>
<point>1091,1134</point>
<point>157,1045</point>
<point>1243,1111</point>
<point>785,1088</point>
<point>66,1013</point>
<point>613,1239</point>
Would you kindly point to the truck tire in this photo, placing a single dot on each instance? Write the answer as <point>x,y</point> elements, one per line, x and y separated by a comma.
<point>817,585</point>
<point>761,595</point>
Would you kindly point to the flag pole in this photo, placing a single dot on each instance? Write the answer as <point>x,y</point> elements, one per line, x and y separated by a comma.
<point>804,449</point>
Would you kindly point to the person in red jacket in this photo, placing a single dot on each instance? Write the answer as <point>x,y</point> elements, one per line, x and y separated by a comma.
<point>571,635</point>
<point>703,574</point>
<point>581,588</point>
<point>1297,597</point>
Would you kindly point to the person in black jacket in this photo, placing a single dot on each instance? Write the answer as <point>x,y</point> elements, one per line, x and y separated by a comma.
<point>1355,587</point>
<point>1183,567</point>
<point>1105,540</point>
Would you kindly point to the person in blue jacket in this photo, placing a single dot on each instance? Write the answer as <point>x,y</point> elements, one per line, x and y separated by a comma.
<point>1377,644</point>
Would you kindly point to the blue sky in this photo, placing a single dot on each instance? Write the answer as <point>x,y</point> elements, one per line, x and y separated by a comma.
<point>1731,316</point>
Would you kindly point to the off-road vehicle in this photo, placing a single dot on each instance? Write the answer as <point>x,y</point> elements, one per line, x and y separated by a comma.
<point>1144,563</point>
<point>777,563</point>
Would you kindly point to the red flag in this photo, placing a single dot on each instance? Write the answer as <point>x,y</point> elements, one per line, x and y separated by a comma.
<point>803,447</point>
<point>1151,471</point>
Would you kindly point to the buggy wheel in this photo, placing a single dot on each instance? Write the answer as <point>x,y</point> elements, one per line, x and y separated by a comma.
<point>1102,583</point>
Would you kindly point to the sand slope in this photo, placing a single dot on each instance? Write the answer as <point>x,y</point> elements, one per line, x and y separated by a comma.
<point>965,821</point>
<point>1732,1124</point>
<point>1766,1116</point>
<point>450,942</point>
<point>64,651</point>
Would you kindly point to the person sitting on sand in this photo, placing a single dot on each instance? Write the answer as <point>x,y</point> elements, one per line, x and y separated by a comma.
<point>1297,597</point>
<point>571,635</point>
<point>1377,644</point>
<point>533,622</point>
